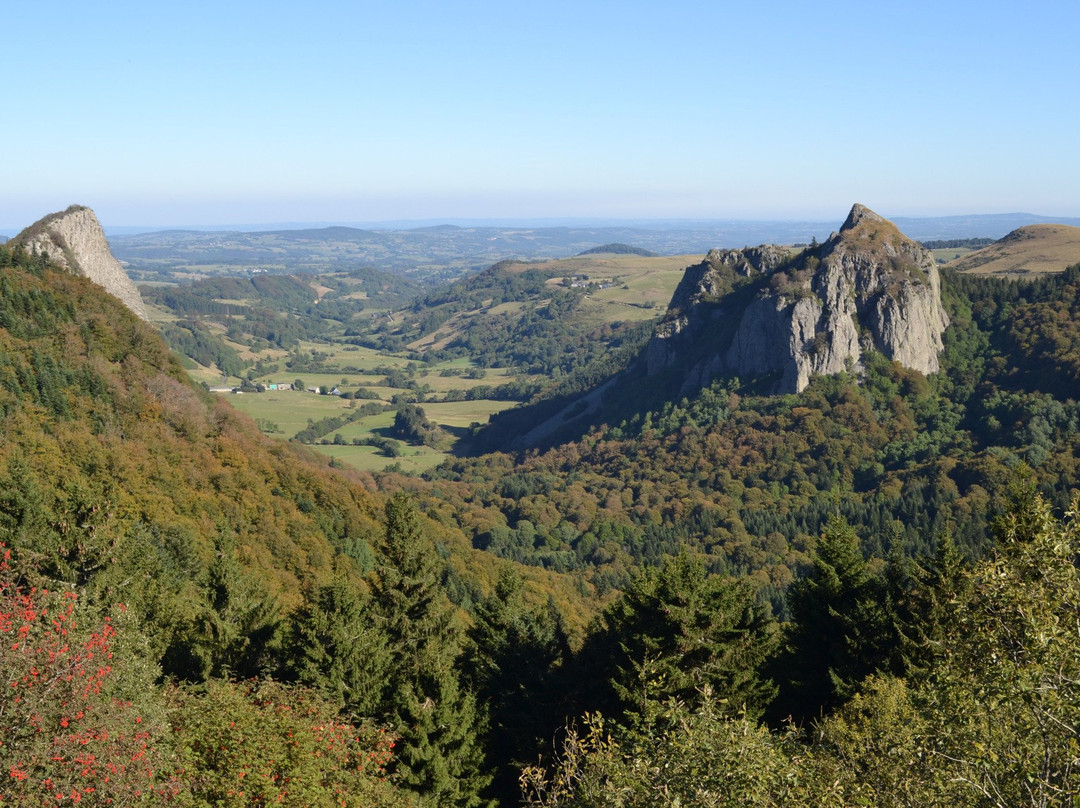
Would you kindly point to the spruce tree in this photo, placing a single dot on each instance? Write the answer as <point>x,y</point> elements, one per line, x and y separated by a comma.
<point>675,631</point>
<point>517,652</point>
<point>335,645</point>
<point>918,594</point>
<point>438,756</point>
<point>839,632</point>
<point>235,630</point>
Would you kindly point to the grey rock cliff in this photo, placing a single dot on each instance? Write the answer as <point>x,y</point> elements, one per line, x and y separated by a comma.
<point>73,239</point>
<point>761,312</point>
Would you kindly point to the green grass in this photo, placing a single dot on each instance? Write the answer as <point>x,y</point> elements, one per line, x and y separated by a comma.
<point>464,413</point>
<point>414,459</point>
<point>950,254</point>
<point>290,410</point>
<point>353,355</point>
<point>369,425</point>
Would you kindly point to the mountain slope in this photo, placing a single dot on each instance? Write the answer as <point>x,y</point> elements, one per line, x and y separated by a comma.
<point>772,318</point>
<point>73,239</point>
<point>116,471</point>
<point>108,445</point>
<point>1033,249</point>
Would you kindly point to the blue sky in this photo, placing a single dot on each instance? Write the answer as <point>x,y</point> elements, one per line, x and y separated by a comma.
<point>242,112</point>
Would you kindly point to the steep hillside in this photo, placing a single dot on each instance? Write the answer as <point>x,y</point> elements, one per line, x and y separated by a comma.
<point>110,456</point>
<point>73,239</point>
<point>207,555</point>
<point>1034,249</point>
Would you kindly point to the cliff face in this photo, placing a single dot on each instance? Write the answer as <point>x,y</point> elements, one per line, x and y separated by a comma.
<point>74,239</point>
<point>761,312</point>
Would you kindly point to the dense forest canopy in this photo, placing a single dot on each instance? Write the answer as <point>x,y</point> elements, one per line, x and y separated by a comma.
<point>725,599</point>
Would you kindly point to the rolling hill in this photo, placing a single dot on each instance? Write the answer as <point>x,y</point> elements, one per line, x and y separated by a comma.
<point>1031,250</point>
<point>440,253</point>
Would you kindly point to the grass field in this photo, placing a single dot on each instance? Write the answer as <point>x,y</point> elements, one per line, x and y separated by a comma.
<point>414,459</point>
<point>291,411</point>
<point>464,413</point>
<point>950,254</point>
<point>1032,250</point>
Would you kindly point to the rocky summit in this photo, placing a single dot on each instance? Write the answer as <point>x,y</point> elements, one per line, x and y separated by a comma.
<point>766,312</point>
<point>74,240</point>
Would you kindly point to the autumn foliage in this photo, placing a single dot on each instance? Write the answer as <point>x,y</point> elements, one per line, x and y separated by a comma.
<point>82,722</point>
<point>67,731</point>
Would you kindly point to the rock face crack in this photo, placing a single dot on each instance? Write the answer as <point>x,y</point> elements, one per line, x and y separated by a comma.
<point>868,287</point>
<point>74,240</point>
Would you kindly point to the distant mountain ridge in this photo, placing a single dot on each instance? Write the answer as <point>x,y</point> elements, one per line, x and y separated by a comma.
<point>462,248</point>
<point>984,225</point>
<point>917,227</point>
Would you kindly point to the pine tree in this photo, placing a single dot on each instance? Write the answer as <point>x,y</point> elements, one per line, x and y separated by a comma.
<point>235,632</point>
<point>674,632</point>
<point>517,652</point>
<point>439,756</point>
<point>839,631</point>
<point>918,594</point>
<point>335,645</point>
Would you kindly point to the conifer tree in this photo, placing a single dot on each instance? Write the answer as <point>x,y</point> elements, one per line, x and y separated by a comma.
<point>918,594</point>
<point>517,652</point>
<point>335,645</point>
<point>839,631</point>
<point>235,630</point>
<point>439,756</point>
<point>674,631</point>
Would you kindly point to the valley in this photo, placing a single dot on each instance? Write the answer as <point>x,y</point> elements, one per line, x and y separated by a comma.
<point>367,347</point>
<point>770,505</point>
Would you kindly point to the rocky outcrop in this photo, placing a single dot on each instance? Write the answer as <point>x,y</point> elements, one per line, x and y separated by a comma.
<point>762,312</point>
<point>74,240</point>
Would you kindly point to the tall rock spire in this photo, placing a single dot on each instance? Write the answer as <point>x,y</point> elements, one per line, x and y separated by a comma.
<point>73,239</point>
<point>764,313</point>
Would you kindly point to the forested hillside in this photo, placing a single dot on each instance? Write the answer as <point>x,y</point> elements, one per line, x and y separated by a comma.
<point>215,316</point>
<point>531,317</point>
<point>751,480</point>
<point>725,599</point>
<point>240,589</point>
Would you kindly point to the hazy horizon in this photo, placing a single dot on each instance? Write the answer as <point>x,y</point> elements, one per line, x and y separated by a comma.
<point>658,222</point>
<point>157,115</point>
<point>979,224</point>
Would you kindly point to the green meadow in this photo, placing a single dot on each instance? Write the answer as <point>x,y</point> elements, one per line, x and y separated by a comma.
<point>284,413</point>
<point>413,459</point>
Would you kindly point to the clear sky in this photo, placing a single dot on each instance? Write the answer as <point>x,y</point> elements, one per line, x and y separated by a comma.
<point>184,113</point>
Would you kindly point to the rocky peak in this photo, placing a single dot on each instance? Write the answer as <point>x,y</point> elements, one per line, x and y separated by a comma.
<point>721,272</point>
<point>785,317</point>
<point>74,240</point>
<point>858,215</point>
